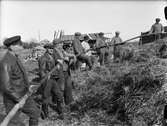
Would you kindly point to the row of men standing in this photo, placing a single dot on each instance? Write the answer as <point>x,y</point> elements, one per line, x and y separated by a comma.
<point>59,85</point>
<point>82,49</point>
<point>103,53</point>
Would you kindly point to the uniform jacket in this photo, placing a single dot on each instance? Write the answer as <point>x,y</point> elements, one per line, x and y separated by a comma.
<point>46,64</point>
<point>157,28</point>
<point>99,43</point>
<point>58,54</point>
<point>116,40</point>
<point>13,79</point>
<point>78,49</point>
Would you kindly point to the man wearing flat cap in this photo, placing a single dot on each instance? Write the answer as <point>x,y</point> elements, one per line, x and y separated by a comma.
<point>14,83</point>
<point>50,89</point>
<point>157,28</point>
<point>103,52</point>
<point>115,40</point>
<point>79,50</point>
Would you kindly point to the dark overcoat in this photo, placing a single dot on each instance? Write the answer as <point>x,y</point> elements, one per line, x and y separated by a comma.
<point>13,78</point>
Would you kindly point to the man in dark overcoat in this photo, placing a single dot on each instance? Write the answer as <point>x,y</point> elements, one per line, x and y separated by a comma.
<point>14,83</point>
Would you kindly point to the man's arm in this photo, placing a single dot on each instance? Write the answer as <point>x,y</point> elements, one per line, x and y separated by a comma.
<point>42,66</point>
<point>113,40</point>
<point>75,46</point>
<point>97,43</point>
<point>152,29</point>
<point>162,28</point>
<point>5,82</point>
<point>120,39</point>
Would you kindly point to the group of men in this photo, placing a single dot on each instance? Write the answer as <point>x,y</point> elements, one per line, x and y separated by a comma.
<point>83,53</point>
<point>55,91</point>
<point>59,86</point>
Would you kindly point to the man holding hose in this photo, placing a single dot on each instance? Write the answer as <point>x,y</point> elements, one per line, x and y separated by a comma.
<point>14,83</point>
<point>51,88</point>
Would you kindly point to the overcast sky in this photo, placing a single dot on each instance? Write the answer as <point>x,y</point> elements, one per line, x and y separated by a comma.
<point>30,18</point>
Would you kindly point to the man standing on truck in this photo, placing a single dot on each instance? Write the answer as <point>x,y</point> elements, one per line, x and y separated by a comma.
<point>115,40</point>
<point>102,52</point>
<point>157,29</point>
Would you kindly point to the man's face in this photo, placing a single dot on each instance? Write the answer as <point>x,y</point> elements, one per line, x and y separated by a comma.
<point>78,37</point>
<point>86,40</point>
<point>59,46</point>
<point>117,34</point>
<point>101,36</point>
<point>50,51</point>
<point>157,21</point>
<point>16,48</point>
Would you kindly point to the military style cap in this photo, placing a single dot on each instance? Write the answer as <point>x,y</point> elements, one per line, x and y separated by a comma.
<point>56,41</point>
<point>48,46</point>
<point>101,33</point>
<point>117,32</point>
<point>12,40</point>
<point>77,34</point>
<point>157,19</point>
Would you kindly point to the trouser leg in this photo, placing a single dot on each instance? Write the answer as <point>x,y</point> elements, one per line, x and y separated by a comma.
<point>68,97</point>
<point>101,58</point>
<point>158,36</point>
<point>92,58</point>
<point>9,104</point>
<point>30,108</point>
<point>46,97</point>
<point>88,62</point>
<point>106,56</point>
<point>45,111</point>
<point>114,56</point>
<point>60,81</point>
<point>165,112</point>
<point>57,96</point>
<point>115,53</point>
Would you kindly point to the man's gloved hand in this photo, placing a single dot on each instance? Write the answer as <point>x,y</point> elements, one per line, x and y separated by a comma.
<point>58,66</point>
<point>33,88</point>
<point>66,58</point>
<point>60,61</point>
